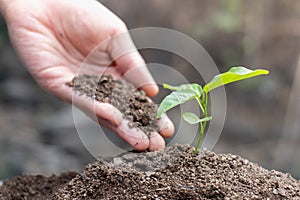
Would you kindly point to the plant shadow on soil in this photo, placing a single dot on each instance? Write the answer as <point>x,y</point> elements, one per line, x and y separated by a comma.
<point>174,173</point>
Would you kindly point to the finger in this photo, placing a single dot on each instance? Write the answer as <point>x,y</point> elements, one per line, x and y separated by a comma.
<point>108,112</point>
<point>166,126</point>
<point>131,64</point>
<point>108,116</point>
<point>133,136</point>
<point>134,69</point>
<point>156,142</point>
<point>94,109</point>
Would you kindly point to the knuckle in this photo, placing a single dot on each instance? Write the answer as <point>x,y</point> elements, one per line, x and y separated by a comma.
<point>119,27</point>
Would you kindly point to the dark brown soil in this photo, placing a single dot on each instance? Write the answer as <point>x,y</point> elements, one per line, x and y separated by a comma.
<point>179,175</point>
<point>133,103</point>
<point>33,187</point>
<point>175,173</point>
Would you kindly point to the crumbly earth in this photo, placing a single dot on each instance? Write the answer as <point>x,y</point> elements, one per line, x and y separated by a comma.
<point>175,173</point>
<point>33,187</point>
<point>133,103</point>
<point>180,175</point>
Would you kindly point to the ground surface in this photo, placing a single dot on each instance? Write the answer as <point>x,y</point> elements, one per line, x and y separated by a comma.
<point>175,173</point>
<point>33,187</point>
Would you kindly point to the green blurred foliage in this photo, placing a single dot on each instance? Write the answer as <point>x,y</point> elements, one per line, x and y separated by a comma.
<point>228,18</point>
<point>225,19</point>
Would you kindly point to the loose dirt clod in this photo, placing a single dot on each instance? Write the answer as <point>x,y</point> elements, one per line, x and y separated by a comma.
<point>133,103</point>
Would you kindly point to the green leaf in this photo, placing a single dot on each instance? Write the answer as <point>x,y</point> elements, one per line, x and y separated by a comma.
<point>174,99</point>
<point>194,119</point>
<point>192,86</point>
<point>233,75</point>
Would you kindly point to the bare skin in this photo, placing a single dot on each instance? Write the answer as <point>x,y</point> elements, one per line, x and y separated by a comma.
<point>53,37</point>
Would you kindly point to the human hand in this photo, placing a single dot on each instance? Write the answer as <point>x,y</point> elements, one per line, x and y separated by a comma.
<point>53,37</point>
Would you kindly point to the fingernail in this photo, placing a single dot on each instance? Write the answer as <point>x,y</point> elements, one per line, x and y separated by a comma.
<point>151,89</point>
<point>156,142</point>
<point>162,122</point>
<point>166,126</point>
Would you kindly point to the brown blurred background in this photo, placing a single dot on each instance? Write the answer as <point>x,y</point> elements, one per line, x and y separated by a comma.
<point>263,116</point>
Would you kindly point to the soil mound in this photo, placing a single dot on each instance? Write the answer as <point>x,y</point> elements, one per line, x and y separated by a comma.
<point>206,176</point>
<point>175,173</point>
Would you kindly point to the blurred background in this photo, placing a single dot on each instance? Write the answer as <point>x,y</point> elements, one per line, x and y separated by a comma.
<point>263,115</point>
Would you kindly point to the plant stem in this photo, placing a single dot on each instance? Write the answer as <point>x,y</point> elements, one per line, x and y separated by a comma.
<point>203,105</point>
<point>200,104</point>
<point>202,128</point>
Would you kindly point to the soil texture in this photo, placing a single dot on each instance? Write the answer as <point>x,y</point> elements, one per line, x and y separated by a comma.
<point>133,103</point>
<point>33,186</point>
<point>179,175</point>
<point>175,173</point>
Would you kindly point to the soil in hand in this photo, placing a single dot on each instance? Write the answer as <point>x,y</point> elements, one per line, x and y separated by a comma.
<point>133,103</point>
<point>33,187</point>
<point>184,176</point>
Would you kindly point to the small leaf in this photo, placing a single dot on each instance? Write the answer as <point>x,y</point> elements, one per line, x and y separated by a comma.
<point>233,75</point>
<point>192,86</point>
<point>174,99</point>
<point>194,119</point>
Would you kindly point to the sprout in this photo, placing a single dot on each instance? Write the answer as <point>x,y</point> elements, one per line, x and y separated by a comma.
<point>187,92</point>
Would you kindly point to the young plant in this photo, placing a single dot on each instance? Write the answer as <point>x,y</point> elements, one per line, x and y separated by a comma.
<point>186,92</point>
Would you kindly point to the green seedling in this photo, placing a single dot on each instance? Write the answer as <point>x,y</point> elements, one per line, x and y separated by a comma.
<point>183,93</point>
